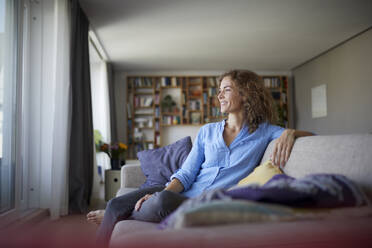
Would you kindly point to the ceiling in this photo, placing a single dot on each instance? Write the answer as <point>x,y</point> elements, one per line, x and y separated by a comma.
<point>261,35</point>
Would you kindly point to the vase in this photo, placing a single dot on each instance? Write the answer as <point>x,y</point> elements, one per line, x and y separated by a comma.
<point>116,164</point>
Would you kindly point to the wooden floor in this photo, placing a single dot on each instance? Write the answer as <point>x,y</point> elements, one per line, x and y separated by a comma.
<point>67,231</point>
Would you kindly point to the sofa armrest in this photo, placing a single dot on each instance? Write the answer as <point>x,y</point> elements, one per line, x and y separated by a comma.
<point>132,176</point>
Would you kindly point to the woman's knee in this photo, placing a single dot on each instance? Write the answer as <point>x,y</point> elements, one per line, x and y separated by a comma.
<point>111,204</point>
<point>167,201</point>
<point>114,204</point>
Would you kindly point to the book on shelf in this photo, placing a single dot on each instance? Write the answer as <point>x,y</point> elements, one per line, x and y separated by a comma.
<point>143,101</point>
<point>157,126</point>
<point>271,82</point>
<point>195,90</point>
<point>171,120</point>
<point>215,111</point>
<point>194,104</point>
<point>212,81</point>
<point>195,118</point>
<point>175,82</point>
<point>183,99</point>
<point>144,122</point>
<point>284,98</point>
<point>276,95</point>
<point>129,110</point>
<point>142,82</point>
<point>157,139</point>
<point>165,81</point>
<point>205,97</point>
<point>148,101</point>
<point>212,92</point>
<point>157,99</point>
<point>157,112</point>
<point>195,80</point>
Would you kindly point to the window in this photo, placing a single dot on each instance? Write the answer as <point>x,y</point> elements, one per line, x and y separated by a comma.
<point>8,89</point>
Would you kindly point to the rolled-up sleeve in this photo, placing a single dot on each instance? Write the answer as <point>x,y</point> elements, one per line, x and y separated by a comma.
<point>191,167</point>
<point>275,131</point>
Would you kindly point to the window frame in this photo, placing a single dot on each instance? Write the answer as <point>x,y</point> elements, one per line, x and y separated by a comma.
<point>13,214</point>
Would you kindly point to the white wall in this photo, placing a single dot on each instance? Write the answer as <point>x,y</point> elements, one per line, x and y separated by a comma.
<point>347,73</point>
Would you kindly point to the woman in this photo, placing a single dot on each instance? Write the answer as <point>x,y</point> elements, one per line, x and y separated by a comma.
<point>223,153</point>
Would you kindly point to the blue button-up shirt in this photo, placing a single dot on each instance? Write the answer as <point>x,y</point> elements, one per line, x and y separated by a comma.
<point>211,164</point>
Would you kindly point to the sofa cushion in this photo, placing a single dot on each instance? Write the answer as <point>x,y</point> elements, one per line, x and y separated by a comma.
<point>261,174</point>
<point>350,232</point>
<point>348,155</point>
<point>127,227</point>
<point>159,164</point>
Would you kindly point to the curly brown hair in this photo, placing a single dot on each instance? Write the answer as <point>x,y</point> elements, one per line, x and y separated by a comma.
<point>257,100</point>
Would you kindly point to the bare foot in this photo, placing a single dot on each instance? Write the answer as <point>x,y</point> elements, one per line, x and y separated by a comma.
<point>96,217</point>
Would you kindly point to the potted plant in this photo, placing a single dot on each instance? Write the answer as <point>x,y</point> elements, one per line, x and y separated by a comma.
<point>116,152</point>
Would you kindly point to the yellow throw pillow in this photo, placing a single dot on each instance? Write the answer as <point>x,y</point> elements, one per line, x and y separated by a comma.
<point>261,174</point>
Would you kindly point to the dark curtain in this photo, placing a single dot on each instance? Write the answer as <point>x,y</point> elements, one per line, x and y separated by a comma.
<point>111,85</point>
<point>81,141</point>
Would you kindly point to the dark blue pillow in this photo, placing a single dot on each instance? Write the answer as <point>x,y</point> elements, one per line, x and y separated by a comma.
<point>159,164</point>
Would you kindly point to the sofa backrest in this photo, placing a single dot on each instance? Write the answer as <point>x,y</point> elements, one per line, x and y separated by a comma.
<point>349,155</point>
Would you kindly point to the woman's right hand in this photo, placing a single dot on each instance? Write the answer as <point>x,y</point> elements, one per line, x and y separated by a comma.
<point>138,205</point>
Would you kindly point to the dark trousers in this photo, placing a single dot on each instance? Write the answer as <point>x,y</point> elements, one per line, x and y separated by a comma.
<point>161,204</point>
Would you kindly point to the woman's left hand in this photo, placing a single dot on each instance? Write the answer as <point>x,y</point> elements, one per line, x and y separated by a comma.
<point>283,147</point>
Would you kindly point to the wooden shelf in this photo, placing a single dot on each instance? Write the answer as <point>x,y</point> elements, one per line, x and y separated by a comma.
<point>173,114</point>
<point>195,97</point>
<point>143,87</point>
<point>145,141</point>
<point>139,107</point>
<point>144,114</point>
<point>171,87</point>
<point>143,94</point>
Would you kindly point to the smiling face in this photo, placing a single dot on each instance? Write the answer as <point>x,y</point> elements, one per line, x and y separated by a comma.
<point>229,97</point>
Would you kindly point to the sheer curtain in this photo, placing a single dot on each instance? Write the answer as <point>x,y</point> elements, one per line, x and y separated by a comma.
<point>62,112</point>
<point>101,105</point>
<point>46,105</point>
<point>101,114</point>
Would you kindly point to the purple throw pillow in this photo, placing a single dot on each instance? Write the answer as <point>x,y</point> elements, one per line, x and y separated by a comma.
<point>158,165</point>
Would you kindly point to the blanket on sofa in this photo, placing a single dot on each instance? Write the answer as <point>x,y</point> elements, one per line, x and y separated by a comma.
<point>272,201</point>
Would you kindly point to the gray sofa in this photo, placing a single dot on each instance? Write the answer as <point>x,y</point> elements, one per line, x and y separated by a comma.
<point>350,155</point>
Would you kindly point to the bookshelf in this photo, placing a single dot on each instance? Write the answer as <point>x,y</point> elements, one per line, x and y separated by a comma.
<point>157,102</point>
<point>278,86</point>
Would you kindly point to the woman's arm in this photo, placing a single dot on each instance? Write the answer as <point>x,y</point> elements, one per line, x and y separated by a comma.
<point>175,186</point>
<point>184,177</point>
<point>283,145</point>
